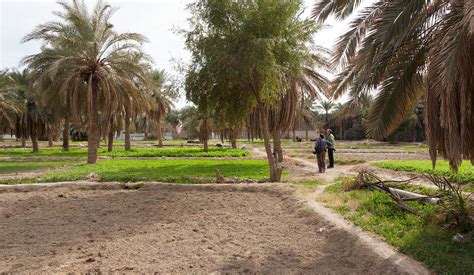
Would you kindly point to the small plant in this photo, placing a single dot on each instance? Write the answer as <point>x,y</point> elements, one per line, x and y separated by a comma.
<point>454,202</point>
<point>133,185</point>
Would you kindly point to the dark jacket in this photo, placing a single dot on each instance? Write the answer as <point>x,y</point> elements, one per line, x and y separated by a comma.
<point>321,146</point>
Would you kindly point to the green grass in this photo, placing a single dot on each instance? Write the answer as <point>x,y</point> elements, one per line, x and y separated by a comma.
<point>308,183</point>
<point>415,236</point>
<point>135,152</point>
<point>465,174</point>
<point>173,171</point>
<point>422,147</point>
<point>10,167</point>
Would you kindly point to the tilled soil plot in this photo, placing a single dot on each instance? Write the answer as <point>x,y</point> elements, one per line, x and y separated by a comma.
<point>173,229</point>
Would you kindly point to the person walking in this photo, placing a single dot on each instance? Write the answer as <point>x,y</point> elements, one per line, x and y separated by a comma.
<point>331,148</point>
<point>320,151</point>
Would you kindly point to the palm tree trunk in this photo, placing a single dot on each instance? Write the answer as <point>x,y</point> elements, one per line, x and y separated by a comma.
<point>275,171</point>
<point>206,144</point>
<point>66,133</point>
<point>93,132</point>
<point>110,143</point>
<point>277,149</point>
<point>34,141</point>
<point>293,131</point>
<point>23,142</point>
<point>127,131</point>
<point>145,130</point>
<point>50,138</point>
<point>159,133</point>
<point>233,138</point>
<point>204,134</point>
<point>110,138</point>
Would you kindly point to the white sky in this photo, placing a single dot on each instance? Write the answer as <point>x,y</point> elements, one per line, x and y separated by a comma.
<point>155,19</point>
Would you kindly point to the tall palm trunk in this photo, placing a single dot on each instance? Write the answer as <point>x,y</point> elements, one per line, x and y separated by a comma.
<point>275,171</point>
<point>146,130</point>
<point>50,138</point>
<point>66,133</point>
<point>127,131</point>
<point>293,131</point>
<point>34,141</point>
<point>205,134</point>
<point>233,138</point>
<point>159,133</point>
<point>206,144</point>
<point>93,132</point>
<point>23,142</point>
<point>277,149</point>
<point>110,138</point>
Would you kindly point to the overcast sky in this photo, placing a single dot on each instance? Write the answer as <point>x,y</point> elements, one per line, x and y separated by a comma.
<point>155,19</point>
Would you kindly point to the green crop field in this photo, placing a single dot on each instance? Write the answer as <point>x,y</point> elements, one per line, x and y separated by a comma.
<point>174,171</point>
<point>9,167</point>
<point>135,152</point>
<point>465,173</point>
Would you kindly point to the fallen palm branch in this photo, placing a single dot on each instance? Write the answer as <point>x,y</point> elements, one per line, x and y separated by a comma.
<point>368,179</point>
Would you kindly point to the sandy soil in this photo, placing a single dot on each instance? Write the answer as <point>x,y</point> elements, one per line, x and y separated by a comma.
<point>171,228</point>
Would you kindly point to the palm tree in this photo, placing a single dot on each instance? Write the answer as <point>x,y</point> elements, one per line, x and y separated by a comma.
<point>407,49</point>
<point>326,106</point>
<point>307,115</point>
<point>88,63</point>
<point>310,85</point>
<point>161,105</point>
<point>32,121</point>
<point>10,103</point>
<point>172,118</point>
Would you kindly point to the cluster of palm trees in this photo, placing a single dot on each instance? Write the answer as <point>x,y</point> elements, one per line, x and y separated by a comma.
<point>87,73</point>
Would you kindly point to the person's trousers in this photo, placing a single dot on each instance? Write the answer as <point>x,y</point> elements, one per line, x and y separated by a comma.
<point>322,162</point>
<point>331,157</point>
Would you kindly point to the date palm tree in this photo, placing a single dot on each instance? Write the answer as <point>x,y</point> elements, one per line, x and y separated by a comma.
<point>326,107</point>
<point>88,63</point>
<point>32,121</point>
<point>172,118</point>
<point>407,49</point>
<point>310,85</point>
<point>10,103</point>
<point>160,104</point>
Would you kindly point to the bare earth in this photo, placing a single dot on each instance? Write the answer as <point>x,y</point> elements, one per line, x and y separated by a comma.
<point>83,227</point>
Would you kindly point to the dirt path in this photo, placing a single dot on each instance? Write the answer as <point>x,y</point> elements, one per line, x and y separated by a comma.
<point>78,227</point>
<point>310,168</point>
<point>371,241</point>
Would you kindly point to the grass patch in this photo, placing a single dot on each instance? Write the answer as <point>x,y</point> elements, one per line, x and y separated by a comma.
<point>10,167</point>
<point>343,161</point>
<point>135,152</point>
<point>174,171</point>
<point>308,183</point>
<point>415,236</point>
<point>422,147</point>
<point>465,174</point>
